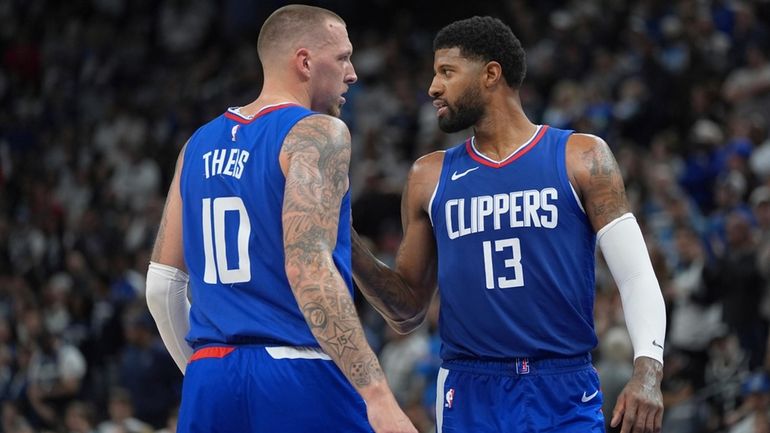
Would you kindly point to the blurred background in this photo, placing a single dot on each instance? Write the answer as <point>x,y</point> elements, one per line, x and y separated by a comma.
<point>98,96</point>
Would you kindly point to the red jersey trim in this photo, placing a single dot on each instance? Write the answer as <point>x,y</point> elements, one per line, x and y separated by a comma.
<point>510,159</point>
<point>211,352</point>
<point>269,109</point>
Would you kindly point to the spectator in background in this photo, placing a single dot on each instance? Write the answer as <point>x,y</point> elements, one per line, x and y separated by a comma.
<point>121,413</point>
<point>752,415</point>
<point>79,417</point>
<point>615,366</point>
<point>695,321</point>
<point>748,88</point>
<point>733,280</point>
<point>56,372</point>
<point>147,371</point>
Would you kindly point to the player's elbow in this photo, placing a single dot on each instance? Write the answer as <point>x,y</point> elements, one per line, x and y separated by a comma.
<point>155,294</point>
<point>407,326</point>
<point>164,284</point>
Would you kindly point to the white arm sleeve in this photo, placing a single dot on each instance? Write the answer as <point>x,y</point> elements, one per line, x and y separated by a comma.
<point>167,300</point>
<point>624,250</point>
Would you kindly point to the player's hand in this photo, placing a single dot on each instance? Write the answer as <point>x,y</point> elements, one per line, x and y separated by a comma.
<point>385,416</point>
<point>640,404</point>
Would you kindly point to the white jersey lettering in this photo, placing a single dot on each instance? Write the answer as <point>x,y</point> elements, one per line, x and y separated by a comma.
<point>529,208</point>
<point>214,162</point>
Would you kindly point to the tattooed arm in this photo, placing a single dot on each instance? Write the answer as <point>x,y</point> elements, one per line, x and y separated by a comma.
<point>596,177</point>
<point>402,296</point>
<point>315,158</point>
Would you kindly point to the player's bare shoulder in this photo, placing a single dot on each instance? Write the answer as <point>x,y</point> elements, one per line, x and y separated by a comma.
<point>424,176</point>
<point>595,174</point>
<point>320,140</point>
<point>317,130</point>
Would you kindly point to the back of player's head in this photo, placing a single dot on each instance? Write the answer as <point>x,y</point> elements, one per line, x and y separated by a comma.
<point>486,39</point>
<point>290,24</point>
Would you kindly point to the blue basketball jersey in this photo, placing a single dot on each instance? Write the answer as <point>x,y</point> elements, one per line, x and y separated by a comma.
<point>515,254</point>
<point>232,192</point>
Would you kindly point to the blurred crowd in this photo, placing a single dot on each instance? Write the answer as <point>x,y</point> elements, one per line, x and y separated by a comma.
<point>98,96</point>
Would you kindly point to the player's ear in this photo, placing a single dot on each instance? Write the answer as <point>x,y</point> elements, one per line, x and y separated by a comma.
<point>493,73</point>
<point>302,63</point>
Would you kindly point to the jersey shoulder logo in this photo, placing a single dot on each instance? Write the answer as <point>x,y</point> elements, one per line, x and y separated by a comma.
<point>457,175</point>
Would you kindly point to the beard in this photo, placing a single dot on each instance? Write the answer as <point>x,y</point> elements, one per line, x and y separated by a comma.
<point>334,110</point>
<point>467,111</point>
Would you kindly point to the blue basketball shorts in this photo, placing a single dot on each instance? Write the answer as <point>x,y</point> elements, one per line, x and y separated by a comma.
<point>256,389</point>
<point>522,396</point>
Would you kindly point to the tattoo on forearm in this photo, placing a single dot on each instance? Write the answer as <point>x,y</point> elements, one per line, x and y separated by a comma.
<point>315,315</point>
<point>363,371</point>
<point>342,338</point>
<point>316,181</point>
<point>386,290</point>
<point>607,199</point>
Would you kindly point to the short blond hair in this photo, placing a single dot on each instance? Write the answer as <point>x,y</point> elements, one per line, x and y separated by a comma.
<point>290,23</point>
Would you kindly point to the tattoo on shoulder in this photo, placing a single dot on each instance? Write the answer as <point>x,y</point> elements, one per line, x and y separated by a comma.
<point>606,194</point>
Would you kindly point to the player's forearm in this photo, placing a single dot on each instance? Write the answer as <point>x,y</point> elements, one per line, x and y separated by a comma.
<point>166,292</point>
<point>385,289</point>
<point>329,311</point>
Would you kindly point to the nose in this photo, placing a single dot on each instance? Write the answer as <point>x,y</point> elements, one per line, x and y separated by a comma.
<point>351,76</point>
<point>435,89</point>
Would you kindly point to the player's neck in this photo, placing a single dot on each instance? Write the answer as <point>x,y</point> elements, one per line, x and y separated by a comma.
<point>503,129</point>
<point>275,95</point>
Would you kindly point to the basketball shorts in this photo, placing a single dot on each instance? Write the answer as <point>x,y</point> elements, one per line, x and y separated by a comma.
<point>257,389</point>
<point>522,396</point>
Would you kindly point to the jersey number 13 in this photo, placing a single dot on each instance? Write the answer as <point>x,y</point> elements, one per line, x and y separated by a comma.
<point>513,261</point>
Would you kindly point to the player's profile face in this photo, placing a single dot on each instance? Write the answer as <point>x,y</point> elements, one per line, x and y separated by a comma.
<point>333,70</point>
<point>456,91</point>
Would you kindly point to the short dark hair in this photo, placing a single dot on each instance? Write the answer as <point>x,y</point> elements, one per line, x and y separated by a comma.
<point>486,39</point>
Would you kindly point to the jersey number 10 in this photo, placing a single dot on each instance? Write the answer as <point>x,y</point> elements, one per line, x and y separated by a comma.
<point>514,261</point>
<point>214,235</point>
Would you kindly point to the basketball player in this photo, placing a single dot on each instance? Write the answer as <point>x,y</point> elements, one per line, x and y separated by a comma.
<point>258,214</point>
<point>506,223</point>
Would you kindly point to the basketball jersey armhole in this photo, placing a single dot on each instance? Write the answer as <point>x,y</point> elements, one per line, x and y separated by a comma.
<point>566,185</point>
<point>438,192</point>
<point>191,144</point>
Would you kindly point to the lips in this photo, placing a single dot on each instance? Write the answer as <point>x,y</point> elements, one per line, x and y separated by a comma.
<point>441,107</point>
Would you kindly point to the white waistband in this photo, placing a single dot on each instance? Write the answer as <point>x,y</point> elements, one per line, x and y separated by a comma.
<point>288,352</point>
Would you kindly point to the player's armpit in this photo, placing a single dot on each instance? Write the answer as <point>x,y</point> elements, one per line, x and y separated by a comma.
<point>595,174</point>
<point>315,158</point>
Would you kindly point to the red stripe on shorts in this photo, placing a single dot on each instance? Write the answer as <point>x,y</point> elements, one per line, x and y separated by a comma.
<point>211,352</point>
